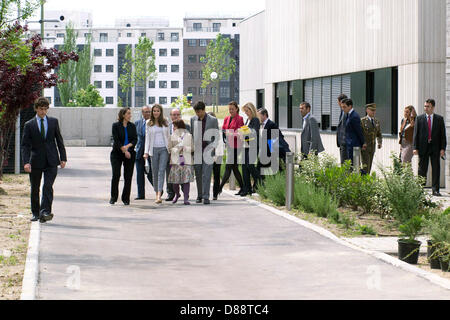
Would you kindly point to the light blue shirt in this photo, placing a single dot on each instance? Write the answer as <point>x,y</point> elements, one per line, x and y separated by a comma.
<point>304,119</point>
<point>45,124</point>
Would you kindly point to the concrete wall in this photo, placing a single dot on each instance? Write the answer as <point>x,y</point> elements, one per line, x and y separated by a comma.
<point>90,124</point>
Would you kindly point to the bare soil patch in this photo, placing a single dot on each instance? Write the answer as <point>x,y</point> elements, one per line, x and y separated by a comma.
<point>14,232</point>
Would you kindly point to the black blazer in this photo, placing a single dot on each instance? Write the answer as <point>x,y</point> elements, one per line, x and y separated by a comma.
<point>40,152</point>
<point>438,135</point>
<point>118,133</point>
<point>283,145</point>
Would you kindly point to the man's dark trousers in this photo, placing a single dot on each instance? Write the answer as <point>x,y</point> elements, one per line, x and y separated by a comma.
<point>434,157</point>
<point>140,176</point>
<point>45,206</point>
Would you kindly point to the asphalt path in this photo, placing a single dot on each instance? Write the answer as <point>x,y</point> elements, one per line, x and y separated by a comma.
<point>228,250</point>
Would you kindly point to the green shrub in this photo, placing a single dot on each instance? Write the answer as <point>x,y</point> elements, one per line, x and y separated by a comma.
<point>274,189</point>
<point>367,230</point>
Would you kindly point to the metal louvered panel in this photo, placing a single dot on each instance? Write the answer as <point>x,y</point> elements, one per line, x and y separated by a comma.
<point>309,91</point>
<point>317,100</point>
<point>346,85</point>
<point>336,90</point>
<point>326,96</point>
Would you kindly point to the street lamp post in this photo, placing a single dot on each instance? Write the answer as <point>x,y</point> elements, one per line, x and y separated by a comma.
<point>214,78</point>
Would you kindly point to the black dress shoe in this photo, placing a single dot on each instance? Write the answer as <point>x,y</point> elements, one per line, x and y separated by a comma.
<point>139,199</point>
<point>199,200</point>
<point>170,198</point>
<point>126,203</point>
<point>111,201</point>
<point>214,198</point>
<point>47,217</point>
<point>244,194</point>
<point>206,202</point>
<point>437,194</point>
<point>35,218</point>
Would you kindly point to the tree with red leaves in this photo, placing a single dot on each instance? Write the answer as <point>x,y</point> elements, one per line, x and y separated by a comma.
<point>26,67</point>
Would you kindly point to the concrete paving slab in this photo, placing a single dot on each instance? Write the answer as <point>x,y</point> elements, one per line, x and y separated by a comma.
<point>229,250</point>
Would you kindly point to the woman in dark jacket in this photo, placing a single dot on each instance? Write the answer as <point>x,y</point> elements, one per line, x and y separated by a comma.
<point>406,134</point>
<point>251,143</point>
<point>125,138</point>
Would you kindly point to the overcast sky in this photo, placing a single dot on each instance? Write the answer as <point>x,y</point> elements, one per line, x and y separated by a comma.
<point>104,12</point>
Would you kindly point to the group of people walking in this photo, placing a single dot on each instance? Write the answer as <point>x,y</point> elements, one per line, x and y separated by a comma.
<point>175,151</point>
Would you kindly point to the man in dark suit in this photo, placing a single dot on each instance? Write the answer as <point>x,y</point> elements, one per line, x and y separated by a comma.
<point>311,140</point>
<point>354,136</point>
<point>141,126</point>
<point>430,142</point>
<point>268,125</point>
<point>40,156</point>
<point>340,136</point>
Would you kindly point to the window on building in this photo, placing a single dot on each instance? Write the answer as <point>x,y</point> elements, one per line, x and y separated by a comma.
<point>192,74</point>
<point>192,42</point>
<point>97,68</point>
<point>174,37</point>
<point>162,68</point>
<point>163,52</point>
<point>234,24</point>
<point>109,84</point>
<point>175,52</point>
<point>97,52</point>
<point>202,58</point>
<point>162,100</point>
<point>129,34</point>
<point>109,100</point>
<point>174,84</point>
<point>213,91</point>
<point>143,34</point>
<point>224,92</point>
<point>49,99</point>
<point>151,84</point>
<point>151,100</point>
<point>192,90</point>
<point>87,35</point>
<point>60,35</point>
<point>197,26</point>
<point>200,75</point>
<point>98,84</point>
<point>110,68</point>
<point>202,91</point>
<point>175,68</point>
<point>173,99</point>
<point>103,37</point>
<point>216,27</point>
<point>160,36</point>
<point>110,52</point>
<point>203,43</point>
<point>163,84</point>
<point>192,59</point>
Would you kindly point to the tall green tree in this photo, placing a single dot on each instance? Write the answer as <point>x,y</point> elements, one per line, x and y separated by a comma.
<point>219,60</point>
<point>144,63</point>
<point>12,11</point>
<point>84,65</point>
<point>126,77</point>
<point>89,97</point>
<point>67,71</point>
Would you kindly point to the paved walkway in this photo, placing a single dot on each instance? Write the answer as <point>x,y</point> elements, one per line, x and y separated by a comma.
<point>229,250</point>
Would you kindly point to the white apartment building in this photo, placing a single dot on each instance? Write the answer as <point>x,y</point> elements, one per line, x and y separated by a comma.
<point>108,47</point>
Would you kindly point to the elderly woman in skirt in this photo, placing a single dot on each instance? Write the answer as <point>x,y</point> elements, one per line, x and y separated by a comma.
<point>181,160</point>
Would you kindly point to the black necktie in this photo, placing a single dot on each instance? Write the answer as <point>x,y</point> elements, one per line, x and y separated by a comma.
<point>373,124</point>
<point>42,129</point>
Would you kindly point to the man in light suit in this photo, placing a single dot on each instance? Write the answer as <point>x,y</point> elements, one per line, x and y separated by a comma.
<point>340,136</point>
<point>430,142</point>
<point>311,140</point>
<point>140,161</point>
<point>175,114</point>
<point>206,135</point>
<point>354,136</point>
<point>40,137</point>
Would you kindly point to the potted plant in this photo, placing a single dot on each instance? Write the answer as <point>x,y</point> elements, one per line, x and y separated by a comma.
<point>405,196</point>
<point>438,227</point>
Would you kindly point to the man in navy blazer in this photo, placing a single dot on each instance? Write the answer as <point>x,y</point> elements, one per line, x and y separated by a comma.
<point>354,136</point>
<point>140,161</point>
<point>40,156</point>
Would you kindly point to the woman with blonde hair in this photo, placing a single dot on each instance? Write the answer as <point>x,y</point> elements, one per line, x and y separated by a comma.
<point>250,156</point>
<point>157,148</point>
<point>181,160</point>
<point>406,134</point>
